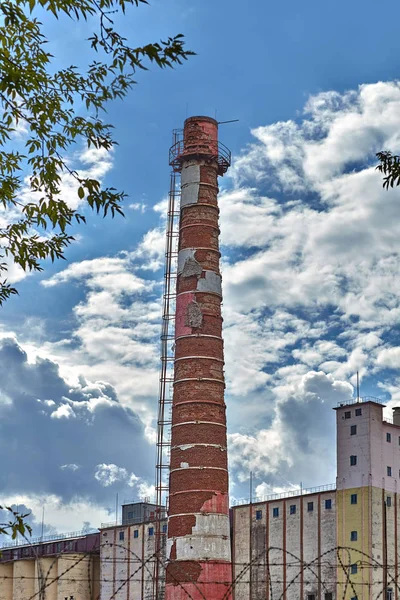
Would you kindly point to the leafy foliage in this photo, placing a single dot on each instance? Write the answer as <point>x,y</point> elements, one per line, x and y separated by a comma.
<point>390,167</point>
<point>16,525</point>
<point>57,109</point>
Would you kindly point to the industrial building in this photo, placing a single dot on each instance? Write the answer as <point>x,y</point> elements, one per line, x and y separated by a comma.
<point>54,568</point>
<point>338,541</point>
<point>128,554</point>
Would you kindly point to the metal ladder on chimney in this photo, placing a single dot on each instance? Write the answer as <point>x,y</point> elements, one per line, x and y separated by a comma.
<point>166,378</point>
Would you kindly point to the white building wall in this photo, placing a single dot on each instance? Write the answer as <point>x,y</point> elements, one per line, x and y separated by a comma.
<point>293,538</point>
<point>127,565</point>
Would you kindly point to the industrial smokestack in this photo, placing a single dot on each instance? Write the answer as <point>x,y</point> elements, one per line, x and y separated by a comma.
<point>198,551</point>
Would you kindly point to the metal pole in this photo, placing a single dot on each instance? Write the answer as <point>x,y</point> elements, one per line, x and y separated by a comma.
<point>116,509</point>
<point>251,537</point>
<point>358,387</point>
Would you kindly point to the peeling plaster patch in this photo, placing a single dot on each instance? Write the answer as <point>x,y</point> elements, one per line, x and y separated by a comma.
<point>186,446</point>
<point>194,316</point>
<point>187,264</point>
<point>184,465</point>
<point>210,283</point>
<point>190,185</point>
<point>182,303</point>
<point>183,255</point>
<point>209,539</point>
<point>190,174</point>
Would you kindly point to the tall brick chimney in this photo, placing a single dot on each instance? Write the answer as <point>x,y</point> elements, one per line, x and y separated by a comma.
<point>198,550</point>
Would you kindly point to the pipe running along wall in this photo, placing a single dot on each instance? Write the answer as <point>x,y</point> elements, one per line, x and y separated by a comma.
<point>198,550</point>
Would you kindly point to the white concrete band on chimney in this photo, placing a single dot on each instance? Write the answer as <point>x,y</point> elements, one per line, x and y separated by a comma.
<point>209,540</point>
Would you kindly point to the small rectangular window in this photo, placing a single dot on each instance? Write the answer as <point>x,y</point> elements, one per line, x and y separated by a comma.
<point>389,501</point>
<point>389,594</point>
<point>130,515</point>
<point>353,569</point>
<point>353,536</point>
<point>164,528</point>
<point>353,460</point>
<point>310,596</point>
<point>358,412</point>
<point>347,414</point>
<point>275,512</point>
<point>151,530</point>
<point>354,598</point>
<point>389,471</point>
<point>136,533</point>
<point>328,596</point>
<point>121,536</point>
<point>353,499</point>
<point>258,515</point>
<point>310,506</point>
<point>292,509</point>
<point>328,504</point>
<point>388,437</point>
<point>353,429</point>
<point>399,440</point>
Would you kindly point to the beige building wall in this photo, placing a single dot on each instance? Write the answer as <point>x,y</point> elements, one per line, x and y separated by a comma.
<point>6,581</point>
<point>46,571</point>
<point>75,577</point>
<point>281,537</point>
<point>23,579</point>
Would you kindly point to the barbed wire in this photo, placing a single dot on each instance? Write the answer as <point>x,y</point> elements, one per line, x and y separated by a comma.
<point>308,571</point>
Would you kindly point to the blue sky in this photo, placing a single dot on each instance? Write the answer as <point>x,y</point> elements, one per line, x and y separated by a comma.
<point>310,257</point>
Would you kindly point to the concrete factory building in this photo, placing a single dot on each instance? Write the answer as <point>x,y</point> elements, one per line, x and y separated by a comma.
<point>332,542</point>
<point>52,568</point>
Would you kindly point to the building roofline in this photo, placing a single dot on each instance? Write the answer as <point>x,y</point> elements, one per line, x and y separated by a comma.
<point>360,401</point>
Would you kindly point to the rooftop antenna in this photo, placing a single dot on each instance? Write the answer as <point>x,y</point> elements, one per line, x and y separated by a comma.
<point>358,387</point>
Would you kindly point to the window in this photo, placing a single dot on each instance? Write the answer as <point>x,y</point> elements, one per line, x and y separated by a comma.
<point>121,536</point>
<point>389,471</point>
<point>354,598</point>
<point>258,515</point>
<point>136,533</point>
<point>328,596</point>
<point>399,440</point>
<point>275,512</point>
<point>310,506</point>
<point>389,501</point>
<point>58,547</point>
<point>389,437</point>
<point>353,460</point>
<point>328,504</point>
<point>130,514</point>
<point>353,499</point>
<point>151,530</point>
<point>353,429</point>
<point>292,509</point>
<point>347,414</point>
<point>389,594</point>
<point>353,536</point>
<point>310,596</point>
<point>358,412</point>
<point>164,528</point>
<point>353,569</point>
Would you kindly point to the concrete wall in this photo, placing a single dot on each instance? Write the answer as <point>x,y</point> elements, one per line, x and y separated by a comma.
<point>281,546</point>
<point>46,573</point>
<point>6,581</point>
<point>127,562</point>
<point>23,579</point>
<point>51,578</point>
